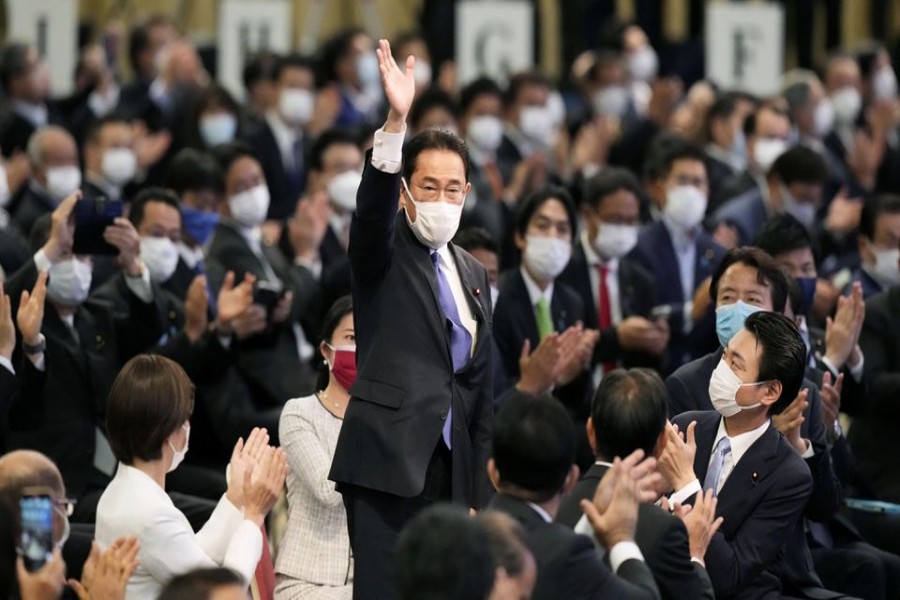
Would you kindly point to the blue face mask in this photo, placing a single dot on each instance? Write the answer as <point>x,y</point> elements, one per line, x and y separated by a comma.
<point>730,319</point>
<point>198,224</point>
<point>808,293</point>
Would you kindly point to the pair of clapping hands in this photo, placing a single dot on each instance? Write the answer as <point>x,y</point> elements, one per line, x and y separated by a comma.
<point>256,475</point>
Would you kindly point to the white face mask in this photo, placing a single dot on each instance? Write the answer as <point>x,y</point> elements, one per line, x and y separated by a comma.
<point>367,69</point>
<point>611,101</point>
<point>805,212</point>
<point>643,64</point>
<point>823,118</point>
<point>886,269</point>
<point>160,256</point>
<point>723,389</point>
<point>296,106</point>
<point>615,241</point>
<point>685,206</point>
<point>342,189</point>
<point>884,84</point>
<point>119,165</point>
<point>766,151</point>
<point>62,181</point>
<point>249,208</point>
<point>847,104</point>
<point>486,132</point>
<point>178,455</point>
<point>436,222</point>
<point>69,282</point>
<point>536,123</point>
<point>422,73</point>
<point>218,128</point>
<point>546,257</point>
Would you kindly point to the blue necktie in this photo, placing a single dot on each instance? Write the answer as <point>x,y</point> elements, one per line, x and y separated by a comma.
<point>722,450</point>
<point>460,338</point>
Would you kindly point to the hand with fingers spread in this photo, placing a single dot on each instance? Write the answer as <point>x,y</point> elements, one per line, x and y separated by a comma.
<point>105,575</point>
<point>676,463</point>
<point>233,301</point>
<point>44,584</point>
<point>842,331</point>
<point>539,370</point>
<point>62,229</point>
<point>196,305</point>
<point>572,356</point>
<point>613,512</point>
<point>831,402</point>
<point>125,238</point>
<point>640,334</point>
<point>244,458</point>
<point>308,226</point>
<point>399,87</point>
<point>264,484</point>
<point>790,420</point>
<point>250,322</point>
<point>701,523</point>
<point>843,213</point>
<point>30,316</point>
<point>7,327</point>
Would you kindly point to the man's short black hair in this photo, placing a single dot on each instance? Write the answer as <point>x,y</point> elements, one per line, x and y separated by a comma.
<point>629,412</point>
<point>668,149</point>
<point>327,139</point>
<point>292,61</point>
<point>533,445</point>
<point>752,118</point>
<point>521,80</point>
<point>607,182</point>
<point>800,165</point>
<point>723,107</point>
<point>199,584</point>
<point>483,86</point>
<point>139,39</point>
<point>782,357</point>
<point>93,131</point>
<point>227,154</point>
<point>444,554</point>
<point>13,63</point>
<point>259,67</point>
<point>476,238</point>
<point>767,273</point>
<point>880,204</point>
<point>433,139</point>
<point>146,195</point>
<point>192,170</point>
<point>334,49</point>
<point>532,203</point>
<point>429,100</point>
<point>781,234</point>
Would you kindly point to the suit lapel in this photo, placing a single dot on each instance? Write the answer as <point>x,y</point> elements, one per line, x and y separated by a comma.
<point>705,435</point>
<point>670,269</point>
<point>626,289</point>
<point>706,255</point>
<point>522,301</point>
<point>751,470</point>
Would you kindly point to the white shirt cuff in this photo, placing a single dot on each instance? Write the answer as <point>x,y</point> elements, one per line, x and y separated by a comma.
<point>387,152</point>
<point>5,196</point>
<point>856,371</point>
<point>623,551</point>
<point>7,364</point>
<point>140,286</point>
<point>810,452</point>
<point>39,361</point>
<point>688,321</point>
<point>686,492</point>
<point>41,261</point>
<point>699,561</point>
<point>100,104</point>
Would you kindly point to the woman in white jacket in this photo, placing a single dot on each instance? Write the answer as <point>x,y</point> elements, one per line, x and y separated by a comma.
<point>148,414</point>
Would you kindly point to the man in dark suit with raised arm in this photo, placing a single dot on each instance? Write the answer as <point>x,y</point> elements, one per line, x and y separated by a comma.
<point>418,426</point>
<point>629,413</point>
<point>532,468</point>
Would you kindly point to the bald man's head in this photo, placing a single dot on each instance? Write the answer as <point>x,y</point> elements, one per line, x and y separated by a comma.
<point>21,469</point>
<point>51,147</point>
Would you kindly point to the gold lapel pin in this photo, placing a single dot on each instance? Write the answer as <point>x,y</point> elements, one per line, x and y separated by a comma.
<point>476,291</point>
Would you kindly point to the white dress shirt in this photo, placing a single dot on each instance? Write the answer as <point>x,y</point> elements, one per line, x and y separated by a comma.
<point>133,504</point>
<point>286,137</point>
<point>387,156</point>
<point>739,446</point>
<point>612,279</point>
<point>535,293</point>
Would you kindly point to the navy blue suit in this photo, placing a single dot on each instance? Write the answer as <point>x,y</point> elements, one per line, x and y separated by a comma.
<point>655,252</point>
<point>761,501</point>
<point>747,213</point>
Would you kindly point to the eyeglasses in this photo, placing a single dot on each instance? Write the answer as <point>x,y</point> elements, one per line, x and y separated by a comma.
<point>66,505</point>
<point>430,192</point>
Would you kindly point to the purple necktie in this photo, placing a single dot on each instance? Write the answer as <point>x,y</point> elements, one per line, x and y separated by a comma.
<point>460,338</point>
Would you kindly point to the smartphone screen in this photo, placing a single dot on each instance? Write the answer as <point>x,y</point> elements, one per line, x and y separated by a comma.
<point>36,541</point>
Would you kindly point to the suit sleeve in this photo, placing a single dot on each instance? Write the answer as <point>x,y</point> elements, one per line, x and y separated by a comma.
<point>826,496</point>
<point>877,343</point>
<point>587,577</point>
<point>705,590</point>
<point>671,563</point>
<point>372,227</point>
<point>481,449</point>
<point>680,399</point>
<point>739,561</point>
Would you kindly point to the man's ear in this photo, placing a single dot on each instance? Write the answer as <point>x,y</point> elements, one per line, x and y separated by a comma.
<point>520,241</point>
<point>771,393</point>
<point>589,428</point>
<point>571,480</point>
<point>661,442</point>
<point>493,474</point>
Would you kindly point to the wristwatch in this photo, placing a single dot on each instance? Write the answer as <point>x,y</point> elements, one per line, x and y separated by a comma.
<point>38,348</point>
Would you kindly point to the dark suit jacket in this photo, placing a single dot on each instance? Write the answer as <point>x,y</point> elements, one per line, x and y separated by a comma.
<point>73,388</point>
<point>734,186</point>
<point>283,191</point>
<point>34,203</point>
<point>719,173</point>
<point>747,213</point>
<point>16,130</point>
<point>637,297</point>
<point>406,384</point>
<point>873,436</point>
<point>761,502</point>
<point>655,252</point>
<point>568,565</point>
<point>661,536</point>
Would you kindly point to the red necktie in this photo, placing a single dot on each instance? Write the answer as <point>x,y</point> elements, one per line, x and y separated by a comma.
<point>604,313</point>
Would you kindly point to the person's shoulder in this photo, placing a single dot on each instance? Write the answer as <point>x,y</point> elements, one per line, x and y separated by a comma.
<point>701,416</point>
<point>303,407</point>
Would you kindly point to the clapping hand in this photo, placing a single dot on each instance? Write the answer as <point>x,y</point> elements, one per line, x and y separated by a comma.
<point>7,327</point>
<point>701,522</point>
<point>539,370</point>
<point>125,238</point>
<point>196,305</point>
<point>105,575</point>
<point>30,316</point>
<point>62,229</point>
<point>831,401</point>
<point>233,301</point>
<point>676,463</point>
<point>44,584</point>
<point>264,483</point>
<point>842,332</point>
<point>790,420</point>
<point>244,459</point>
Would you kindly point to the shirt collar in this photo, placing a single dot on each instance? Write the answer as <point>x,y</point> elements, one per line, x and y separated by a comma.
<point>190,256</point>
<point>681,239</point>
<point>539,510</point>
<point>33,112</point>
<point>283,133</point>
<point>594,259</point>
<point>446,256</point>
<point>534,291</point>
<point>741,442</point>
<point>253,235</point>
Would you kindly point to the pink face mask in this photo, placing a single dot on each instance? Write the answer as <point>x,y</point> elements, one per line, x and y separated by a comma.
<point>343,366</point>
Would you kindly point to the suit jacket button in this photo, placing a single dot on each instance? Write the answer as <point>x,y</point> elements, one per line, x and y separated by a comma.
<point>444,416</point>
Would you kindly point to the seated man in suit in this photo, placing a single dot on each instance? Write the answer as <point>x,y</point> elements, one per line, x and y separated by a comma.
<point>26,84</point>
<point>281,141</point>
<point>617,293</point>
<point>879,233</point>
<point>531,467</point>
<point>629,413</point>
<point>529,132</point>
<point>277,363</point>
<point>533,305</point>
<point>793,186</point>
<point>676,249</point>
<point>760,481</point>
<point>110,163</point>
<point>726,152</point>
<point>55,174</point>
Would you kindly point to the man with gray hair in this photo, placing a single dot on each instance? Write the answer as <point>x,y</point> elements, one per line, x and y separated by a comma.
<point>55,174</point>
